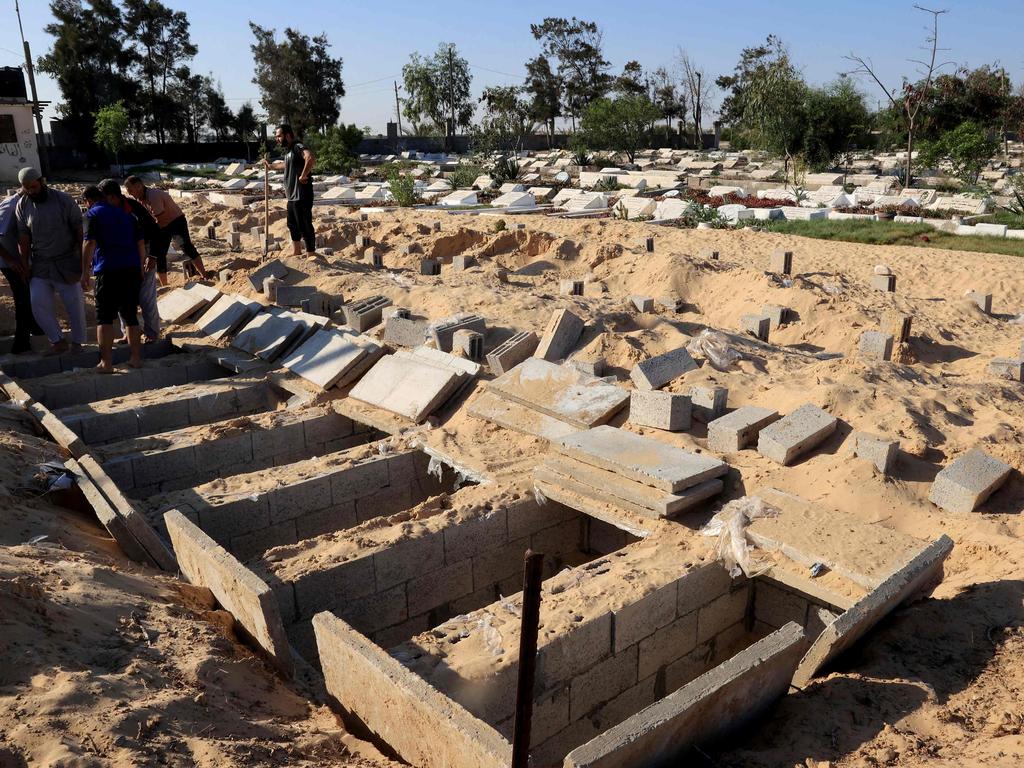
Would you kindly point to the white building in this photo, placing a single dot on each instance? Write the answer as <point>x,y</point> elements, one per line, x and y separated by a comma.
<point>17,130</point>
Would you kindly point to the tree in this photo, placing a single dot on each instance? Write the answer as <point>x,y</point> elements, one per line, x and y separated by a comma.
<point>752,60</point>
<point>300,82</point>
<point>666,97</point>
<point>112,128</point>
<point>88,60</point>
<point>915,95</point>
<point>632,81</point>
<point>506,121</point>
<point>966,149</point>
<point>162,47</point>
<point>246,126</point>
<point>837,121</point>
<point>336,150</point>
<point>774,101</point>
<point>697,88</point>
<point>545,91</point>
<point>438,89</point>
<point>219,114</point>
<point>622,124</point>
<point>582,68</point>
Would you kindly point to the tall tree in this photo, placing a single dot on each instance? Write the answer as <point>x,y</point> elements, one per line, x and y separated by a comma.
<point>752,60</point>
<point>438,89</point>
<point>246,127</point>
<point>837,122</point>
<point>697,90</point>
<point>667,97</point>
<point>622,124</point>
<point>582,68</point>
<point>915,94</point>
<point>632,82</point>
<point>218,113</point>
<point>507,119</point>
<point>774,106</point>
<point>88,60</point>
<point>299,81</point>
<point>545,91</point>
<point>162,46</point>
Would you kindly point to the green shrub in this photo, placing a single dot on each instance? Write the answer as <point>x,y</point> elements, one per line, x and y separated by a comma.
<point>504,170</point>
<point>336,149</point>
<point>403,188</point>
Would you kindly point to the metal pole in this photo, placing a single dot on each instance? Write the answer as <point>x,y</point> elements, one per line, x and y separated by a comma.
<point>533,564</point>
<point>398,111</point>
<point>266,211</point>
<point>44,158</point>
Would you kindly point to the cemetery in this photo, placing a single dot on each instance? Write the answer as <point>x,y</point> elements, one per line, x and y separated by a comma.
<point>577,450</point>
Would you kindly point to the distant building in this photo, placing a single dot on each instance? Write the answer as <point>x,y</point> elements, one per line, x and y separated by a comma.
<point>17,131</point>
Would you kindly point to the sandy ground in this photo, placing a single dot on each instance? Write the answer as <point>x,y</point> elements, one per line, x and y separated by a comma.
<point>939,683</point>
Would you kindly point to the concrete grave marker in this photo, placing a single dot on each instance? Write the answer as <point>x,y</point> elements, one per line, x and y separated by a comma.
<point>965,484</point>
<point>561,335</point>
<point>795,434</point>
<point>226,315</point>
<point>656,372</point>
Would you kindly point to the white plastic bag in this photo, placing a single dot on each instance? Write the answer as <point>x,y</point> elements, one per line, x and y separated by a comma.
<point>729,524</point>
<point>714,347</point>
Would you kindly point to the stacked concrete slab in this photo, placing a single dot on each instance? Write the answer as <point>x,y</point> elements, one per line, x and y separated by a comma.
<point>612,466</point>
<point>410,386</point>
<point>182,303</point>
<point>332,358</point>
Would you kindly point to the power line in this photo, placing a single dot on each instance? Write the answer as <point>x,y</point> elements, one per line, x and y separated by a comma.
<point>497,72</point>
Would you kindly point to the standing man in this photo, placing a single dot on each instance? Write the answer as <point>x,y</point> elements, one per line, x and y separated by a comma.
<point>172,223</point>
<point>298,187</point>
<point>148,227</point>
<point>50,250</point>
<point>10,264</point>
<point>116,253</point>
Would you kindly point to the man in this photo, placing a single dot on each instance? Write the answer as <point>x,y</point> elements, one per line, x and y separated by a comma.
<point>172,223</point>
<point>298,186</point>
<point>116,252</point>
<point>24,324</point>
<point>147,224</point>
<point>50,251</point>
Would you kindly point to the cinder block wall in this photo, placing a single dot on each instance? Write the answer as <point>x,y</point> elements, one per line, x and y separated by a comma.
<point>184,458</point>
<point>417,584</point>
<point>775,604</point>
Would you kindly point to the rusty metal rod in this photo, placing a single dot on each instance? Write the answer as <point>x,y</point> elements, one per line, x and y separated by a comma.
<point>533,564</point>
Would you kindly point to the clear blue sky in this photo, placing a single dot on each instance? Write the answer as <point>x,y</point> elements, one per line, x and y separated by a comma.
<point>375,38</point>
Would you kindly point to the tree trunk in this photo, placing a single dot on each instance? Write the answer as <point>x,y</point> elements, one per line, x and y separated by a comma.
<point>908,179</point>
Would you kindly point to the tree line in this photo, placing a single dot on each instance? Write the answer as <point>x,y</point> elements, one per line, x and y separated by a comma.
<point>138,53</point>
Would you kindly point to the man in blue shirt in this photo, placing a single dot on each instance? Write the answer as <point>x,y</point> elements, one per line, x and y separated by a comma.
<point>116,252</point>
<point>17,278</point>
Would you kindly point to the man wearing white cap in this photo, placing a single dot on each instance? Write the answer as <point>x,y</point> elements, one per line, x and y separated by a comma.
<point>50,247</point>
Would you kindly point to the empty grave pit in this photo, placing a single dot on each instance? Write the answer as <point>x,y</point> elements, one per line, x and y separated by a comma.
<point>395,576</point>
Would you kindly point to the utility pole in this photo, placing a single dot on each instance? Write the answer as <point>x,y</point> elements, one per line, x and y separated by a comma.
<point>398,111</point>
<point>44,159</point>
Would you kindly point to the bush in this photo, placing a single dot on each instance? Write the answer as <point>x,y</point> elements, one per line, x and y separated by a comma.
<point>966,150</point>
<point>464,175</point>
<point>403,188</point>
<point>336,149</point>
<point>504,170</point>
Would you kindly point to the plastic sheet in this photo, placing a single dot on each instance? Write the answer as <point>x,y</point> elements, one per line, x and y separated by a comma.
<point>714,347</point>
<point>729,524</point>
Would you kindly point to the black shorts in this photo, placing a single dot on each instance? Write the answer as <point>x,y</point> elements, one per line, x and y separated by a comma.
<point>300,222</point>
<point>117,293</point>
<point>162,242</point>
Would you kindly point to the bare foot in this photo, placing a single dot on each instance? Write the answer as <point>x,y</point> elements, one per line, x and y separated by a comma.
<point>151,340</point>
<point>121,340</point>
<point>101,368</point>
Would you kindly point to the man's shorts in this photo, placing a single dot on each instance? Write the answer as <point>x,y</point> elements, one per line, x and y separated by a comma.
<point>117,293</point>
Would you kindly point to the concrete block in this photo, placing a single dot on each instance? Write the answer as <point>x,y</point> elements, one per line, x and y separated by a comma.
<point>560,336</point>
<point>425,727</point>
<point>432,590</point>
<point>965,484</point>
<point>667,644</point>
<point>722,612</point>
<point>642,303</point>
<point>898,324</point>
<point>1006,368</point>
<point>714,703</point>
<point>662,410</point>
<point>462,262</point>
<point>512,352</point>
<point>336,517</point>
<point>875,345</point>
<point>777,607</point>
<point>573,652</point>
<point>776,314</point>
<point>758,326</point>
<point>364,314</point>
<point>443,332</point>
<point>638,620</point>
<point>886,283</point>
<point>781,262</point>
<point>249,600</point>
<point>570,287</point>
<point>469,343</point>
<point>656,372</point>
<point>405,332</point>
<point>297,498</point>
<point>329,586</point>
<point>476,536</point>
<point>375,612</point>
<point>785,440</point>
<point>249,546</point>
<point>602,682</point>
<point>642,459</point>
<point>408,559</point>
<point>593,368</point>
<point>430,267</point>
<point>698,586</point>
<point>709,253</point>
<point>880,451</point>
<point>920,573</point>
<point>359,480</point>
<point>496,565</point>
<point>708,402</point>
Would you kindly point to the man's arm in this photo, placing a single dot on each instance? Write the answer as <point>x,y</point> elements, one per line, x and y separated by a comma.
<point>87,252</point>
<point>78,244</point>
<point>24,252</point>
<point>309,159</point>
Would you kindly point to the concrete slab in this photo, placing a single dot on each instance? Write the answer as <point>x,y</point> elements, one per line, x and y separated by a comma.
<point>521,418</point>
<point>108,518</point>
<point>227,314</point>
<point>656,372</point>
<point>965,484</point>
<point>921,573</point>
<point>560,336</point>
<point>735,431</point>
<point>641,458</point>
<point>325,357</point>
<point>249,600</point>
<point>182,303</point>
<point>267,336</point>
<point>716,702</point>
<point>271,269</point>
<point>562,392</point>
<point>425,727</point>
<point>795,434</point>
<point>407,387</point>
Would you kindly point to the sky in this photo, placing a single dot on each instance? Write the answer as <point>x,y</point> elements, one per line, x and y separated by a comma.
<point>375,38</point>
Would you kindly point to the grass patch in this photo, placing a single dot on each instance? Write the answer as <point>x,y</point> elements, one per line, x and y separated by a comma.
<point>1011,220</point>
<point>893,233</point>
